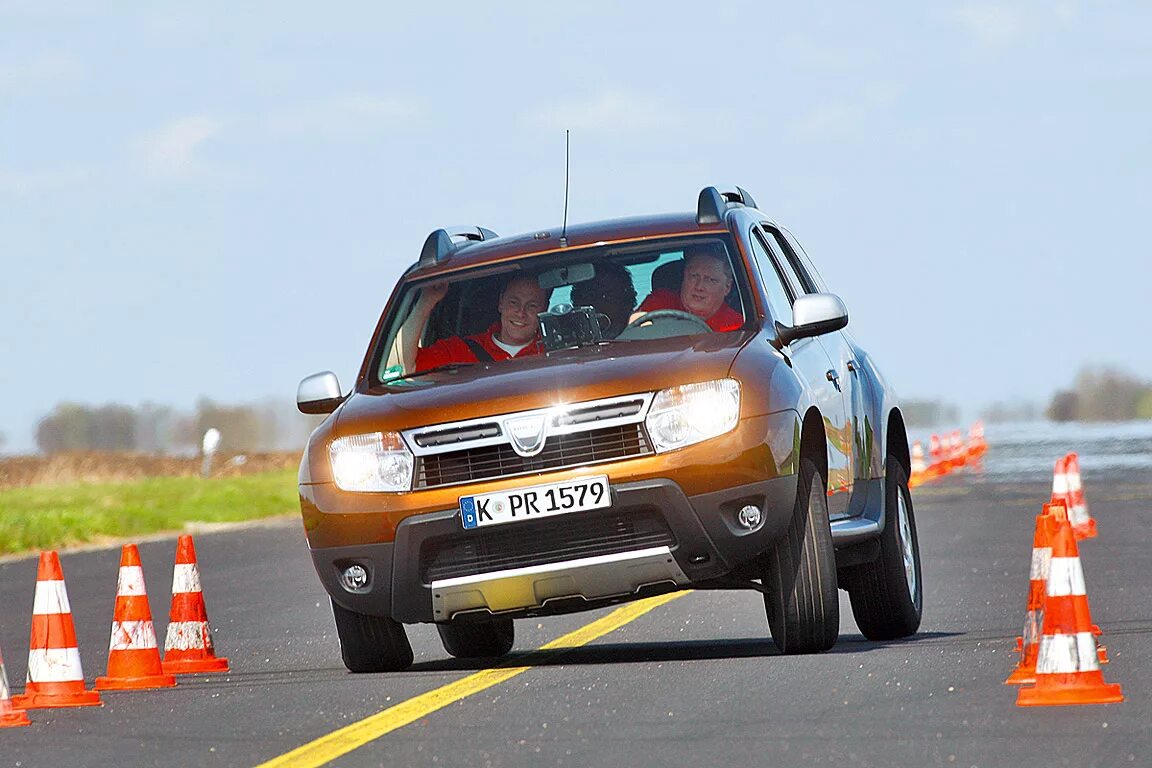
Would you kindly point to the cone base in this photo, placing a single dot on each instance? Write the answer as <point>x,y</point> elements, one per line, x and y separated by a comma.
<point>1055,694</point>
<point>1021,676</point>
<point>194,666</point>
<point>14,719</point>
<point>134,683</point>
<point>34,700</point>
<point>1087,531</point>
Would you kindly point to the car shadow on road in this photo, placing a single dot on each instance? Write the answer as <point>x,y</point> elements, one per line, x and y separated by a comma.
<point>641,653</point>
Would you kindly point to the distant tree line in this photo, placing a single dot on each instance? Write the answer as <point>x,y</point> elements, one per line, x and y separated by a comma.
<point>149,428</point>
<point>1107,394</point>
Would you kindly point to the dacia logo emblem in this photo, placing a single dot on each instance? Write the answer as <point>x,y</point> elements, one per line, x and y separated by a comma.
<point>527,433</point>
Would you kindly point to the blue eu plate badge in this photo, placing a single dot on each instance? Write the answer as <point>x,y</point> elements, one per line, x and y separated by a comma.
<point>468,511</point>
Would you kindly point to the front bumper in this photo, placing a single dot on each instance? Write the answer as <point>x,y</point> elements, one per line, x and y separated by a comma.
<point>657,538</point>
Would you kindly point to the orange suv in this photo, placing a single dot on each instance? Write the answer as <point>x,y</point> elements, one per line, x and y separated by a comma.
<point>567,419</point>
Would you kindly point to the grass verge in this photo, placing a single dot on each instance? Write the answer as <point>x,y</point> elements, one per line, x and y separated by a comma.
<point>47,517</point>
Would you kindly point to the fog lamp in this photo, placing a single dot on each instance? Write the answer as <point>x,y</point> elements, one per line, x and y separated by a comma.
<point>750,516</point>
<point>354,578</point>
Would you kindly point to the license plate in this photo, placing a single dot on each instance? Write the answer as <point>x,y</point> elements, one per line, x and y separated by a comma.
<point>536,501</point>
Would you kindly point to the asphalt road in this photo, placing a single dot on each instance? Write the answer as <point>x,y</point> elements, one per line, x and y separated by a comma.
<point>694,682</point>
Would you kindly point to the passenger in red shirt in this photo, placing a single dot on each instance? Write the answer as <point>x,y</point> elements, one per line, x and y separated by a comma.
<point>707,281</point>
<point>515,334</point>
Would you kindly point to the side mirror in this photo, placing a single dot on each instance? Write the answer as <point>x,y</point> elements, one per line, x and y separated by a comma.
<point>813,314</point>
<point>319,393</point>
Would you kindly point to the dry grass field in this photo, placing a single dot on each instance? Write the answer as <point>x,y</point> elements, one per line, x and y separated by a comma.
<point>93,467</point>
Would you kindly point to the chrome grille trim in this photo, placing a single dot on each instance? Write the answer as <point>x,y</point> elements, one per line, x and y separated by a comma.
<point>561,420</point>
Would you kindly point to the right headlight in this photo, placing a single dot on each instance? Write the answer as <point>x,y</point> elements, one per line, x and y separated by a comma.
<point>690,413</point>
<point>375,462</point>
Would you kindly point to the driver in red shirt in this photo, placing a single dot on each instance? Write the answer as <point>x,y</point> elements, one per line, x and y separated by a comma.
<point>515,334</point>
<point>707,281</point>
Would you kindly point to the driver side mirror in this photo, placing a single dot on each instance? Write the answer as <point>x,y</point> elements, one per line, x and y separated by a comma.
<point>813,314</point>
<point>319,393</point>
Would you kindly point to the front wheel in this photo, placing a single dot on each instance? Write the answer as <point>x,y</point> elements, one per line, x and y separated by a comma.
<point>802,601</point>
<point>371,643</point>
<point>887,594</point>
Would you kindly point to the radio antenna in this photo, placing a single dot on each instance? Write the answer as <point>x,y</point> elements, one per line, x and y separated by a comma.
<point>564,228</point>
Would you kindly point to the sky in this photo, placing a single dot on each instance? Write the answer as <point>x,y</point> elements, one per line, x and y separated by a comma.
<point>215,199</point>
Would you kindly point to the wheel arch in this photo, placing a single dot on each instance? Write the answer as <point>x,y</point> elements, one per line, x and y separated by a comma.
<point>896,440</point>
<point>814,440</point>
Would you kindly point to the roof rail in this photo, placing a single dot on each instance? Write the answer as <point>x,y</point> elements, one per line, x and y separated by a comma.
<point>440,244</point>
<point>712,202</point>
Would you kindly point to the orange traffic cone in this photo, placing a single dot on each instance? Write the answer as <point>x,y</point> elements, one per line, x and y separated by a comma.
<point>55,677</point>
<point>918,466</point>
<point>977,447</point>
<point>1060,484</point>
<point>1067,667</point>
<point>10,717</point>
<point>1083,526</point>
<point>133,658</point>
<point>1029,643</point>
<point>1062,495</point>
<point>188,647</point>
<point>936,465</point>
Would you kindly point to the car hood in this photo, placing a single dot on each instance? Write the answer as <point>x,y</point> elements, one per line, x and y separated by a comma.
<point>566,376</point>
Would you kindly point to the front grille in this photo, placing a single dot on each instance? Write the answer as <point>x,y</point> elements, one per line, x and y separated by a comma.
<point>539,542</point>
<point>576,449</point>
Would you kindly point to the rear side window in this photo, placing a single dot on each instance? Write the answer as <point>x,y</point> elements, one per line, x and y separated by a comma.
<point>799,261</point>
<point>778,300</point>
<point>795,285</point>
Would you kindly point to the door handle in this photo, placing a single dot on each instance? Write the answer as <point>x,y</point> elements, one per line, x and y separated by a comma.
<point>833,377</point>
<point>852,366</point>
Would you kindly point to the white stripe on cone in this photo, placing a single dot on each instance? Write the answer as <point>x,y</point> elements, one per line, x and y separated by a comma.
<point>51,598</point>
<point>1065,654</point>
<point>132,636</point>
<point>185,578</point>
<point>54,665</point>
<point>187,636</point>
<point>1065,577</point>
<point>1079,516</point>
<point>1033,626</point>
<point>1059,484</point>
<point>130,582</point>
<point>1074,483</point>
<point>5,694</point>
<point>1041,561</point>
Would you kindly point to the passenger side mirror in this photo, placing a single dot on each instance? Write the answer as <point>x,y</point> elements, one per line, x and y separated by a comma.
<point>813,314</point>
<point>319,393</point>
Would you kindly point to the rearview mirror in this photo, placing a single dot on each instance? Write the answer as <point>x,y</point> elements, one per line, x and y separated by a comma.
<point>813,314</point>
<point>566,275</point>
<point>319,393</point>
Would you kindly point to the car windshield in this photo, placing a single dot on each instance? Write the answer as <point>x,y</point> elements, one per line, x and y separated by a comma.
<point>611,294</point>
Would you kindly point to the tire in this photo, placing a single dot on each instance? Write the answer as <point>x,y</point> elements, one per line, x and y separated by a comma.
<point>477,640</point>
<point>802,602</point>
<point>888,594</point>
<point>371,643</point>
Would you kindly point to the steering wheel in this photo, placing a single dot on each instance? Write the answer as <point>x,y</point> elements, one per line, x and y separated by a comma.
<point>670,314</point>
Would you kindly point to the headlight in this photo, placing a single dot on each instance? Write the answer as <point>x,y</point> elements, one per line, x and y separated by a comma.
<point>376,462</point>
<point>690,413</point>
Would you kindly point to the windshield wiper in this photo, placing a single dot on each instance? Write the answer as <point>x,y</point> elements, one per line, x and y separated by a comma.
<point>437,369</point>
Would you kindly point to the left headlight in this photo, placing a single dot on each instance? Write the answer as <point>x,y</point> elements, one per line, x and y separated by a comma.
<point>376,462</point>
<point>691,413</point>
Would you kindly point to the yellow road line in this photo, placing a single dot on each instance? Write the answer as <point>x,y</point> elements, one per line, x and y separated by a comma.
<point>327,748</point>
